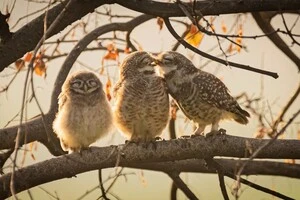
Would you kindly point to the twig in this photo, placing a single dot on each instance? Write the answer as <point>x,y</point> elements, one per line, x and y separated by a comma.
<point>263,21</point>
<point>174,189</point>
<point>288,31</point>
<point>187,45</point>
<point>258,150</point>
<point>30,68</point>
<point>218,167</point>
<point>181,185</point>
<point>283,112</point>
<point>101,184</point>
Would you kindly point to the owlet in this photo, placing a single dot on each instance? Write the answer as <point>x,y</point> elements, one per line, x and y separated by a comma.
<point>201,96</point>
<point>142,102</point>
<point>84,114</point>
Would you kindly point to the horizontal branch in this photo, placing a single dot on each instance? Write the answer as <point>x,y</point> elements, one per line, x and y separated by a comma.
<point>133,154</point>
<point>26,38</point>
<point>209,7</point>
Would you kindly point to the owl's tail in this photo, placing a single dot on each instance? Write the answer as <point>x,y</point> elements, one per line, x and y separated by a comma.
<point>241,116</point>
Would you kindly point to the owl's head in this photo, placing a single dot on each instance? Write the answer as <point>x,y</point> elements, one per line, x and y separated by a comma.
<point>83,83</point>
<point>139,62</point>
<point>170,61</point>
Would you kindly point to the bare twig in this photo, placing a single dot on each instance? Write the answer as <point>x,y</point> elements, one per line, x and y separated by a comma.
<point>181,185</point>
<point>187,45</point>
<point>101,185</point>
<point>283,112</point>
<point>266,144</point>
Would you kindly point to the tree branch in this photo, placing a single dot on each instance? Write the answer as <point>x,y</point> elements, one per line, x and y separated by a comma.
<point>180,184</point>
<point>27,37</point>
<point>129,154</point>
<point>206,55</point>
<point>263,20</point>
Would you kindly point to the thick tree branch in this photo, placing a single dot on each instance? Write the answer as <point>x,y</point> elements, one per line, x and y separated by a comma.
<point>208,7</point>
<point>129,154</point>
<point>35,130</point>
<point>26,38</point>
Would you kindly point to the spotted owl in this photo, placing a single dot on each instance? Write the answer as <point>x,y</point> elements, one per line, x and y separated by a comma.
<point>201,96</point>
<point>84,114</point>
<point>142,102</point>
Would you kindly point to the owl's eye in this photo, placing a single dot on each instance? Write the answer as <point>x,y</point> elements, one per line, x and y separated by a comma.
<point>167,60</point>
<point>76,84</point>
<point>92,83</point>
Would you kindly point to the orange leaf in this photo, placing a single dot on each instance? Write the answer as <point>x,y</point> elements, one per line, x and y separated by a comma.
<point>160,22</point>
<point>28,57</point>
<point>39,67</point>
<point>20,63</point>
<point>127,50</point>
<point>194,36</point>
<point>107,89</point>
<point>224,27</point>
<point>111,55</point>
<point>101,70</point>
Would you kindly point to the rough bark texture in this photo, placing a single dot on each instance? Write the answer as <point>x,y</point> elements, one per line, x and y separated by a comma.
<point>133,154</point>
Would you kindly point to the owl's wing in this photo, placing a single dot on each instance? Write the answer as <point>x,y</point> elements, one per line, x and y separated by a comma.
<point>62,98</point>
<point>212,90</point>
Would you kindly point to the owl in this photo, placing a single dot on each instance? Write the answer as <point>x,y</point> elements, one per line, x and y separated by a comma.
<point>84,114</point>
<point>201,96</point>
<point>142,102</point>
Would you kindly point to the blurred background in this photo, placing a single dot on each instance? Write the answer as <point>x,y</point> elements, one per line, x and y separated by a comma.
<point>268,95</point>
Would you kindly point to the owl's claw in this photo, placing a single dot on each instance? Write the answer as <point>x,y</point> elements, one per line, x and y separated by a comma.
<point>221,131</point>
<point>185,137</point>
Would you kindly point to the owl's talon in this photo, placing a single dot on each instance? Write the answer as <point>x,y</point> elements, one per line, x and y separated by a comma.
<point>222,131</point>
<point>196,135</point>
<point>185,137</point>
<point>157,138</point>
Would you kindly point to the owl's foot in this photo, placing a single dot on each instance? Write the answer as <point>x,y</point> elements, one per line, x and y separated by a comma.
<point>197,135</point>
<point>157,138</point>
<point>221,131</point>
<point>185,137</point>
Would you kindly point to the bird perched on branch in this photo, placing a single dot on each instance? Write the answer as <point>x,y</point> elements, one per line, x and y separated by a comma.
<point>201,96</point>
<point>142,102</point>
<point>84,114</point>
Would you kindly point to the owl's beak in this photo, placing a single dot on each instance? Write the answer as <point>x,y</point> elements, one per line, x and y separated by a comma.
<point>85,87</point>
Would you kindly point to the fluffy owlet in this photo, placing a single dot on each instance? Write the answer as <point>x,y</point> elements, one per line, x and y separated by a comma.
<point>142,102</point>
<point>201,96</point>
<point>84,114</point>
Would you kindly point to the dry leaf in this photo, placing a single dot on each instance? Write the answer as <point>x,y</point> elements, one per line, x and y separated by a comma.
<point>260,133</point>
<point>28,57</point>
<point>20,63</point>
<point>127,50</point>
<point>194,36</point>
<point>39,67</point>
<point>224,27</point>
<point>101,70</point>
<point>239,39</point>
<point>160,22</point>
<point>107,89</point>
